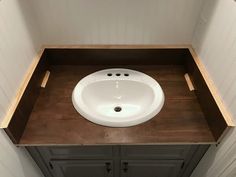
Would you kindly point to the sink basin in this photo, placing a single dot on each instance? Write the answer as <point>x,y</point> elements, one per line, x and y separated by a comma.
<point>118,97</point>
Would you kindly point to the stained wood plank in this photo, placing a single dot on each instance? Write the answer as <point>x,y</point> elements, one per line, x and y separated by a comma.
<point>104,56</point>
<point>55,121</point>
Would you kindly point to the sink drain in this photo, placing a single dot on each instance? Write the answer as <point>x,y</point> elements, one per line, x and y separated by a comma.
<point>117,109</point>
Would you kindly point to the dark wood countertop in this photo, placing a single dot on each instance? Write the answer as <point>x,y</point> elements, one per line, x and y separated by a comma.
<point>55,121</point>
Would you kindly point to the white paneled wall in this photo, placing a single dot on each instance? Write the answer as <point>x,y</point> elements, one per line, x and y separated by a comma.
<point>19,41</point>
<point>215,43</point>
<point>26,24</point>
<point>117,21</point>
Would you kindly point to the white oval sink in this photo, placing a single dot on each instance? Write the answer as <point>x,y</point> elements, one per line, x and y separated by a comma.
<point>118,97</point>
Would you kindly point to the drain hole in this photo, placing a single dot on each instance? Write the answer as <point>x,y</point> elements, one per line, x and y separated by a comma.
<point>117,109</point>
<point>117,74</point>
<point>109,74</point>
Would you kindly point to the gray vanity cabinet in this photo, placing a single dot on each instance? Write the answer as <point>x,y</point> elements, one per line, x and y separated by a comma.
<point>118,161</point>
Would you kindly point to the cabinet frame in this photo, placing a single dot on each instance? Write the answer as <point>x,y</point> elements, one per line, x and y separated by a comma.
<point>190,156</point>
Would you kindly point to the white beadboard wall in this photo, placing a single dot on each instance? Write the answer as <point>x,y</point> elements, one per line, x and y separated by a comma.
<point>19,41</point>
<point>215,43</point>
<point>117,21</point>
<point>26,24</point>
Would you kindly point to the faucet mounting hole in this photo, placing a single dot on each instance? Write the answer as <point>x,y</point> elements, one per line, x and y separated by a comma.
<point>117,109</point>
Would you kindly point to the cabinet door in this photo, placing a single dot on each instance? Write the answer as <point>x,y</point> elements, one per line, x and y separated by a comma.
<point>150,168</point>
<point>151,152</point>
<point>82,168</point>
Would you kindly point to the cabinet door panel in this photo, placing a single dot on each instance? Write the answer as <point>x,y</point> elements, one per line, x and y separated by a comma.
<point>155,152</point>
<point>82,168</point>
<point>150,168</point>
<point>76,152</point>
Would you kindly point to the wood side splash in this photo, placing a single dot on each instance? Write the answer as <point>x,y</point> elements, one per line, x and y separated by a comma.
<point>213,89</point>
<point>26,79</point>
<point>26,99</point>
<point>217,116</point>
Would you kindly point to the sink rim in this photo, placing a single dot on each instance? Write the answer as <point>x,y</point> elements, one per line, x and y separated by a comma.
<point>139,77</point>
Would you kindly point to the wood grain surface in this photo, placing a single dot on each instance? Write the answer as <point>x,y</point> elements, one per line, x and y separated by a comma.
<point>55,121</point>
<point>118,56</point>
